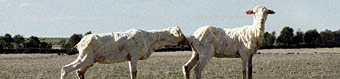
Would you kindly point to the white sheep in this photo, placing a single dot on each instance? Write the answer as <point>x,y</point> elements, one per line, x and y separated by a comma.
<point>118,47</point>
<point>208,42</point>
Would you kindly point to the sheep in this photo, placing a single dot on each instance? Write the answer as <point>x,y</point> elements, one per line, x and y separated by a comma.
<point>131,46</point>
<point>242,42</point>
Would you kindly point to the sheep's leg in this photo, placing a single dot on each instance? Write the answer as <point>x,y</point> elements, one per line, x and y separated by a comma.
<point>250,67</point>
<point>190,64</point>
<point>200,65</point>
<point>81,72</point>
<point>78,63</point>
<point>133,67</point>
<point>203,61</point>
<point>244,67</point>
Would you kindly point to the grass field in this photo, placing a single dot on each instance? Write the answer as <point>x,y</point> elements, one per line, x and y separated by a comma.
<point>323,63</point>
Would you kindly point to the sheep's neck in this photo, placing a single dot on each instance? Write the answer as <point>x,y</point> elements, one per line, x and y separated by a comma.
<point>155,36</point>
<point>259,27</point>
<point>258,24</point>
<point>259,30</point>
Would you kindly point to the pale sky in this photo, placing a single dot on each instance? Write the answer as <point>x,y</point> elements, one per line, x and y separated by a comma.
<point>62,18</point>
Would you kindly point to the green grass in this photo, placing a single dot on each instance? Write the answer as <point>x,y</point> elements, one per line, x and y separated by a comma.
<point>167,65</point>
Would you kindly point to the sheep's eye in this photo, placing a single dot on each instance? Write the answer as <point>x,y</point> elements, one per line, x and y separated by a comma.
<point>175,34</point>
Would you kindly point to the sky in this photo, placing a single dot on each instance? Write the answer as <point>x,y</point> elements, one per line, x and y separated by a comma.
<point>62,18</point>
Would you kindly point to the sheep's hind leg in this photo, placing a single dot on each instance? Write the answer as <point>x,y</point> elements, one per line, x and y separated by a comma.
<point>190,64</point>
<point>203,61</point>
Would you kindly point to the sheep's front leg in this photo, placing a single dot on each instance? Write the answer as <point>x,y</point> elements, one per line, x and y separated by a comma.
<point>133,67</point>
<point>250,67</point>
<point>82,71</point>
<point>80,62</point>
<point>244,67</point>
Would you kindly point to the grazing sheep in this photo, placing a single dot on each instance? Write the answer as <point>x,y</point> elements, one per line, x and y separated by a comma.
<point>119,47</point>
<point>208,42</point>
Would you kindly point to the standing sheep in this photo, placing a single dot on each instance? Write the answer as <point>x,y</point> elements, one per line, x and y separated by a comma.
<point>119,47</point>
<point>242,42</point>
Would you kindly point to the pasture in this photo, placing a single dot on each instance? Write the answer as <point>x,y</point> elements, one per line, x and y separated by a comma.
<point>320,63</point>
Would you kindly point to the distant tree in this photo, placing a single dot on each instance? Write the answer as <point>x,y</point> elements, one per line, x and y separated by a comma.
<point>269,39</point>
<point>45,45</point>
<point>298,38</point>
<point>265,41</point>
<point>337,38</point>
<point>327,37</point>
<point>312,38</point>
<point>19,41</point>
<point>286,36</point>
<point>33,42</point>
<point>2,44</point>
<point>8,40</point>
<point>74,39</point>
<point>87,33</point>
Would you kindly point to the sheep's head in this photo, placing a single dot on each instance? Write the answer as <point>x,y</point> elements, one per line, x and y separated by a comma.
<point>260,13</point>
<point>174,37</point>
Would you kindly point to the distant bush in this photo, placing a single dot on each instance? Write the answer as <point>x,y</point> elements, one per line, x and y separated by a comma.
<point>309,39</point>
<point>2,44</point>
<point>19,41</point>
<point>7,41</point>
<point>69,45</point>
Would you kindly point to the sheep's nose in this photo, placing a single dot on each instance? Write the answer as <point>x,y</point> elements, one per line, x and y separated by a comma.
<point>262,21</point>
<point>183,42</point>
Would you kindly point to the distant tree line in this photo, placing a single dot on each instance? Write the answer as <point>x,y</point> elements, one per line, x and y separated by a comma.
<point>286,39</point>
<point>19,43</point>
<point>309,39</point>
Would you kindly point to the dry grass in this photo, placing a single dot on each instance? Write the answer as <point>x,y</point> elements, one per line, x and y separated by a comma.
<point>270,64</point>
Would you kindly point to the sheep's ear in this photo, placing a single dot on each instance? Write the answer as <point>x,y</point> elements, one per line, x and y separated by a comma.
<point>176,27</point>
<point>178,31</point>
<point>271,12</point>
<point>249,12</point>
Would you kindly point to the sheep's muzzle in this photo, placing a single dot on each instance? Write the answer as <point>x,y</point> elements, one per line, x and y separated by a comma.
<point>183,42</point>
